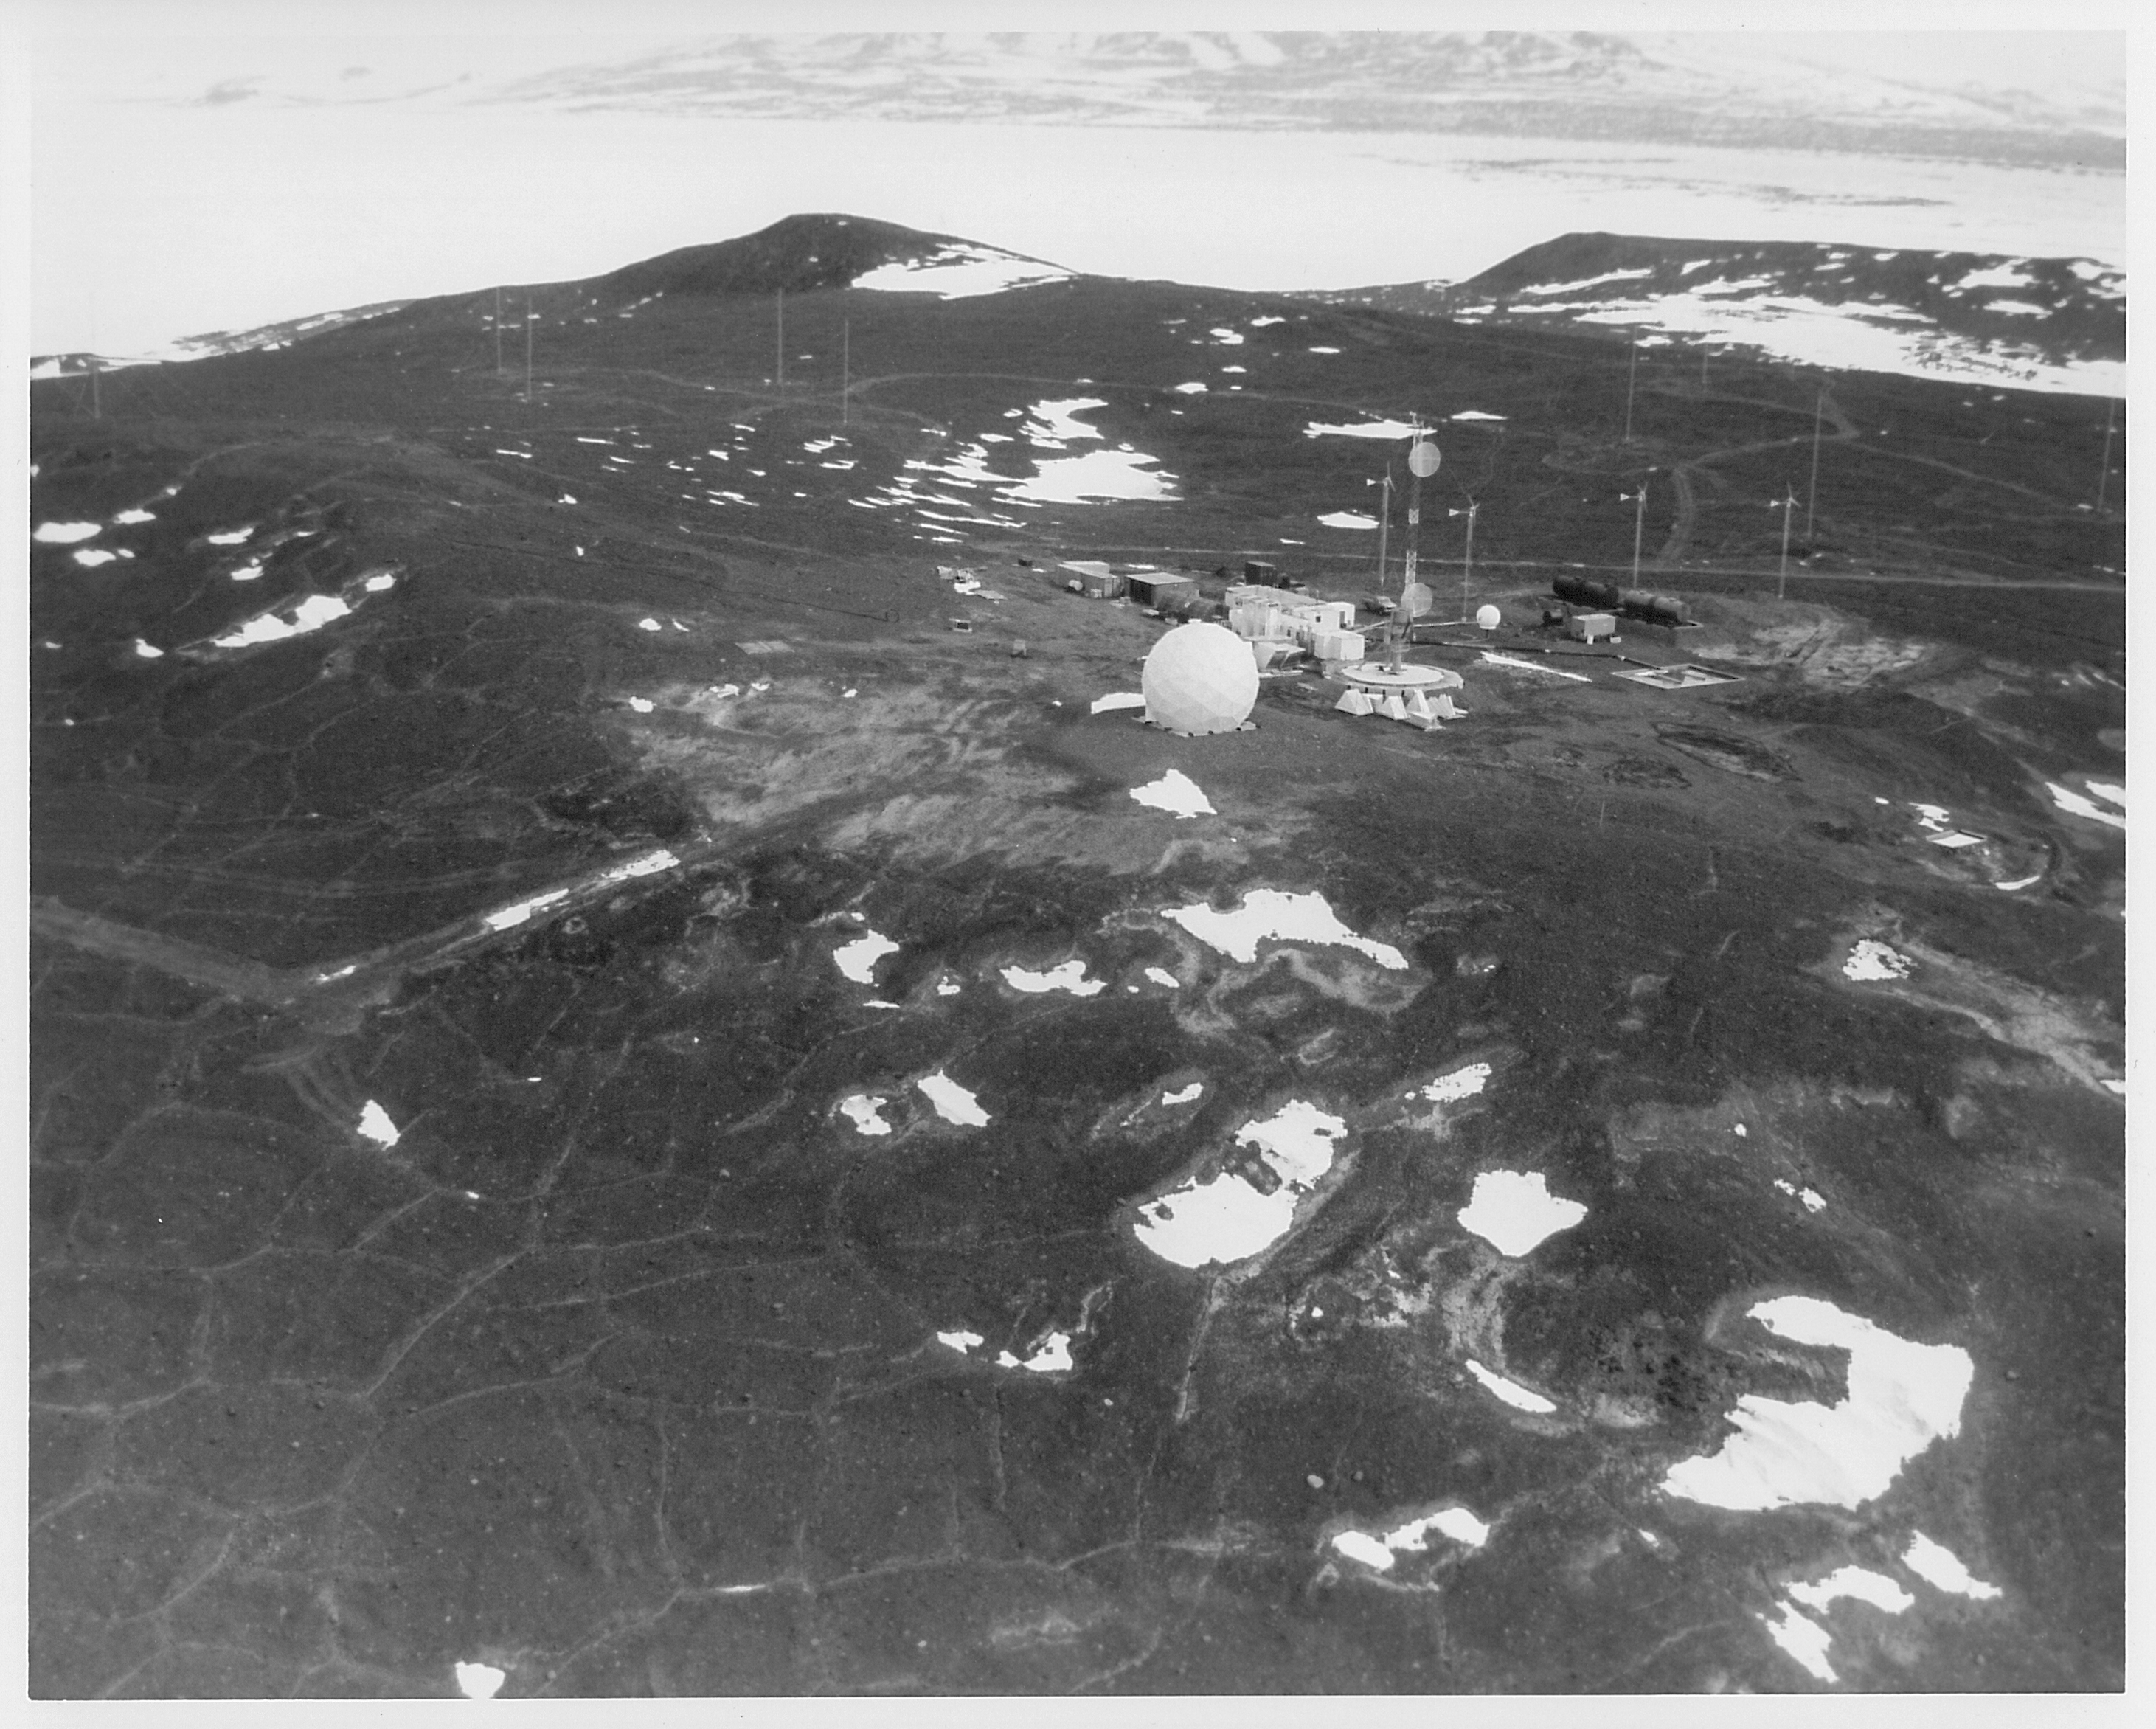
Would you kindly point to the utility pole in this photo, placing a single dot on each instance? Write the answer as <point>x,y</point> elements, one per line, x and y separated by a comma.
<point>2110,425</point>
<point>1631,373</point>
<point>782,339</point>
<point>1811,497</point>
<point>97,406</point>
<point>846,366</point>
<point>1385,524</point>
<point>1639,524</point>
<point>527,345</point>
<point>1467,564</point>
<point>1788,504</point>
<point>497,333</point>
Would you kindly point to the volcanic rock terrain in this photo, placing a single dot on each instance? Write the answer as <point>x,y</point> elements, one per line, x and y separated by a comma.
<point>624,1101</point>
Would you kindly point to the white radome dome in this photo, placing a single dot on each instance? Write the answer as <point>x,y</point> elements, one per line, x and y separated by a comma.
<point>1200,678</point>
<point>1489,618</point>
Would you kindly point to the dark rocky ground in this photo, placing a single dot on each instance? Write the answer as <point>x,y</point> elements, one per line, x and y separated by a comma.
<point>619,1371</point>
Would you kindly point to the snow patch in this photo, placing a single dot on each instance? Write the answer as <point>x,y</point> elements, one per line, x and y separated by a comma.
<point>65,534</point>
<point>1226,1217</point>
<point>479,1680</point>
<point>1860,1583</point>
<point>1347,519</point>
<point>953,1102</point>
<point>2077,804</point>
<point>1161,976</point>
<point>1281,915</point>
<point>311,613</point>
<point>1871,960</point>
<point>1184,1095</point>
<point>375,1125</point>
<point>1901,1396</point>
<point>1459,1083</point>
<point>1117,699</point>
<point>1938,1565</point>
<point>1368,429</point>
<point>1510,1392</point>
<point>1053,1358</point>
<point>1070,977</point>
<point>857,959</point>
<point>1514,1211</point>
<point>865,1111</point>
<point>960,272</point>
<point>1176,792</point>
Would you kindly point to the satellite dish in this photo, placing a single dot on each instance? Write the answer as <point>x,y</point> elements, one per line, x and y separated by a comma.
<point>1423,460</point>
<point>1414,600</point>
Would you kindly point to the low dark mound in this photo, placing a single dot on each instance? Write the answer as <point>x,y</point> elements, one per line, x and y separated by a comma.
<point>796,253</point>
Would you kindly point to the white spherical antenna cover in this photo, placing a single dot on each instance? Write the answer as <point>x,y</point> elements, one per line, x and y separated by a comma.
<point>1423,460</point>
<point>1200,678</point>
<point>1489,618</point>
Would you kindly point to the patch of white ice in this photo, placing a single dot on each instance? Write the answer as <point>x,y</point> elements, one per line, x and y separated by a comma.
<point>65,534</point>
<point>519,911</point>
<point>479,1680</point>
<point>1475,414</point>
<point>1278,915</point>
<point>1804,1639</point>
<point>857,959</point>
<point>1459,1083</point>
<point>1053,1358</point>
<point>959,1339</point>
<point>1510,1392</point>
<point>1901,1396</point>
<point>311,613</point>
<point>136,516</point>
<point>1175,791</point>
<point>1367,429</point>
<point>1183,1096</point>
<point>866,1110</point>
<point>1347,519</point>
<point>1361,1546</point>
<point>231,536</point>
<point>1514,1210</point>
<point>1070,977</point>
<point>1161,976</point>
<point>1117,699</point>
<point>2077,804</point>
<point>375,1125</point>
<point>94,555</point>
<point>1860,1583</point>
<point>960,271</point>
<point>1938,1565</point>
<point>1871,960</point>
<point>1497,659</point>
<point>1225,1218</point>
<point>953,1102</point>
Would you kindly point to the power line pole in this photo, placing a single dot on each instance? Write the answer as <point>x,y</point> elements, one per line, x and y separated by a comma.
<point>497,333</point>
<point>1788,504</point>
<point>1384,523</point>
<point>1467,563</point>
<point>2110,425</point>
<point>782,339</point>
<point>845,367</point>
<point>96,404</point>
<point>1811,497</point>
<point>1639,525</point>
<point>1631,373</point>
<point>527,345</point>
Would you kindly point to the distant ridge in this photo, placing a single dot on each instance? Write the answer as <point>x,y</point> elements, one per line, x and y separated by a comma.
<point>2046,324</point>
<point>798,253</point>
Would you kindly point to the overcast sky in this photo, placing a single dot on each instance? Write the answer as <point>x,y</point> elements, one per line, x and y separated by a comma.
<point>204,165</point>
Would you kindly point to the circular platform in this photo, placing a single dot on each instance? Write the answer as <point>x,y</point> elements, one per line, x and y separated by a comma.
<point>1409,677</point>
